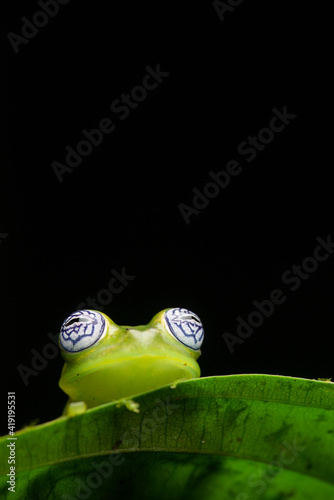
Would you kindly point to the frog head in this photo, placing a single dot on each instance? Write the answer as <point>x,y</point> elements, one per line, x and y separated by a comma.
<point>105,362</point>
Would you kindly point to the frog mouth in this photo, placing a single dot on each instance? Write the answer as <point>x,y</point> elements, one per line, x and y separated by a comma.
<point>127,377</point>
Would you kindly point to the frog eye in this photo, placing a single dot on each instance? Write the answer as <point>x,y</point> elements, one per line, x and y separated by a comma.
<point>81,330</point>
<point>185,326</point>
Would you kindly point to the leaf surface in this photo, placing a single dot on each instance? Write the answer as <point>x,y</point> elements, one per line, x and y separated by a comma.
<point>237,437</point>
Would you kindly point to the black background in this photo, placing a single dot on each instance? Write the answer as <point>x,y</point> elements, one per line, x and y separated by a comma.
<point>120,206</point>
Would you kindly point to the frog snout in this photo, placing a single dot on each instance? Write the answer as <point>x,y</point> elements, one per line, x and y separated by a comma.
<point>144,337</point>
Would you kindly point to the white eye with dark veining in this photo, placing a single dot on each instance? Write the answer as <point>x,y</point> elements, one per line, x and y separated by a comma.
<point>82,330</point>
<point>185,326</point>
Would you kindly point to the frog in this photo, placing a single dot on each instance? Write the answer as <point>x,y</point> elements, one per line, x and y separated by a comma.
<point>106,362</point>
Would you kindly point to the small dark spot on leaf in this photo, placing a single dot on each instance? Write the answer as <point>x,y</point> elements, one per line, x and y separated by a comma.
<point>330,431</point>
<point>239,439</point>
<point>309,466</point>
<point>287,494</point>
<point>116,445</point>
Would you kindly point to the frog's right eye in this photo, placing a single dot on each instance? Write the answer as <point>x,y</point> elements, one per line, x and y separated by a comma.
<point>82,330</point>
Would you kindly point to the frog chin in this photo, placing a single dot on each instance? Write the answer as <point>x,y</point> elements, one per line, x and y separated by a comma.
<point>127,377</point>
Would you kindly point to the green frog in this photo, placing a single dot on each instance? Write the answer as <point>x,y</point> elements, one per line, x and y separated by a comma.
<point>105,362</point>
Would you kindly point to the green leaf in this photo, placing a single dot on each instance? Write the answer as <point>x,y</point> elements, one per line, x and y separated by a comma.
<point>239,437</point>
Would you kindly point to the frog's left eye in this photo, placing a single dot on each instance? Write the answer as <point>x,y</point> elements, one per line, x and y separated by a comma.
<point>82,330</point>
<point>185,326</point>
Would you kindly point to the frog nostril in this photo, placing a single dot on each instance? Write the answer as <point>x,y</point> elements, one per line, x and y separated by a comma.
<point>143,336</point>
